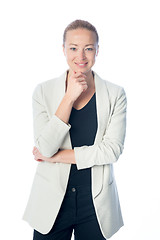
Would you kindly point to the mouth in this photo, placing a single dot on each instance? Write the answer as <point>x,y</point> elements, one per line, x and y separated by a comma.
<point>81,64</point>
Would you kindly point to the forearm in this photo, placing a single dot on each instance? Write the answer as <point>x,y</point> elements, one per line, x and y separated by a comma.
<point>62,156</point>
<point>65,156</point>
<point>49,132</point>
<point>64,109</point>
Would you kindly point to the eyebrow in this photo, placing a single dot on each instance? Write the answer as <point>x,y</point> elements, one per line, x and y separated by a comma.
<point>85,45</point>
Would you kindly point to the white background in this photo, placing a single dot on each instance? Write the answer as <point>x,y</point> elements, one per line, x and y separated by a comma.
<point>31,52</point>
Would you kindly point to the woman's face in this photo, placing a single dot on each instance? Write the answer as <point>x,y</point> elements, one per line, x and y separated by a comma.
<point>80,49</point>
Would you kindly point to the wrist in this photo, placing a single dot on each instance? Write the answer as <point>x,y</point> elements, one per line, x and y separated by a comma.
<point>57,158</point>
<point>68,99</point>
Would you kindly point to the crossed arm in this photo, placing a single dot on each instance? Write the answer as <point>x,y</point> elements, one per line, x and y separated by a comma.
<point>62,156</point>
<point>50,133</point>
<point>62,115</point>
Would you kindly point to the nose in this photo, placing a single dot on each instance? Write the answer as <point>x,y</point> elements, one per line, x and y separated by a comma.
<point>81,54</point>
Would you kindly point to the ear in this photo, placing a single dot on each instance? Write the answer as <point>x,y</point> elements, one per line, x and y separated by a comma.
<point>97,51</point>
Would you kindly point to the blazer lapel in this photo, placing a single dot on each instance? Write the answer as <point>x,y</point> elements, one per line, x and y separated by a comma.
<point>102,105</point>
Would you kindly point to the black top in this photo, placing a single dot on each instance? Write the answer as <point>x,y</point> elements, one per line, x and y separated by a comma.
<point>82,132</point>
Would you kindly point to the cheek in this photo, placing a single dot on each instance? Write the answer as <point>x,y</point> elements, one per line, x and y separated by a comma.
<point>92,58</point>
<point>70,56</point>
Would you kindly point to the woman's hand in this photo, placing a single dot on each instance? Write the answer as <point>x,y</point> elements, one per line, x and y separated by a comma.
<point>39,157</point>
<point>76,84</point>
<point>62,156</point>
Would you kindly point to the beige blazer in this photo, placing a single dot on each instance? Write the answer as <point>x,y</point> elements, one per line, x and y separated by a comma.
<point>52,134</point>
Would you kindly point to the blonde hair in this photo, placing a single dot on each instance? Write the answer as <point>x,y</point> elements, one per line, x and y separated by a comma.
<point>80,24</point>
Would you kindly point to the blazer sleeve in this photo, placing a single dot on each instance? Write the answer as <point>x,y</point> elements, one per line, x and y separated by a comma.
<point>48,133</point>
<point>112,143</point>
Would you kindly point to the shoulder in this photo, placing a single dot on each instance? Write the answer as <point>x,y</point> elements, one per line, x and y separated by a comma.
<point>46,86</point>
<point>113,89</point>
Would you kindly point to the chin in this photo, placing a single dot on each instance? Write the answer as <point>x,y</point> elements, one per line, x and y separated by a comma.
<point>83,70</point>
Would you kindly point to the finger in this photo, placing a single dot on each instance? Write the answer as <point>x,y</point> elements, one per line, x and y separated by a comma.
<point>38,159</point>
<point>34,152</point>
<point>37,155</point>
<point>79,74</point>
<point>84,83</point>
<point>34,149</point>
<point>81,80</point>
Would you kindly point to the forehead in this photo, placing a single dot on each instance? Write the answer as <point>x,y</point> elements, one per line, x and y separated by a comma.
<point>80,35</point>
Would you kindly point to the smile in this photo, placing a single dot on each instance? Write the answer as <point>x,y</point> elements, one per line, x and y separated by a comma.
<point>81,64</point>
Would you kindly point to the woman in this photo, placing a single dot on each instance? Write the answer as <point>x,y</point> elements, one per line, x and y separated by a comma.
<point>79,130</point>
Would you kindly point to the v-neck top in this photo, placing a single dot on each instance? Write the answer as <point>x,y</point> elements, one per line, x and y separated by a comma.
<point>82,132</point>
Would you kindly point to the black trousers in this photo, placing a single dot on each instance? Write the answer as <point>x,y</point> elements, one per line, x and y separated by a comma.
<point>76,213</point>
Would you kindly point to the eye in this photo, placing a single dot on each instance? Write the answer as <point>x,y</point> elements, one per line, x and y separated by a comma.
<point>89,49</point>
<point>73,49</point>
